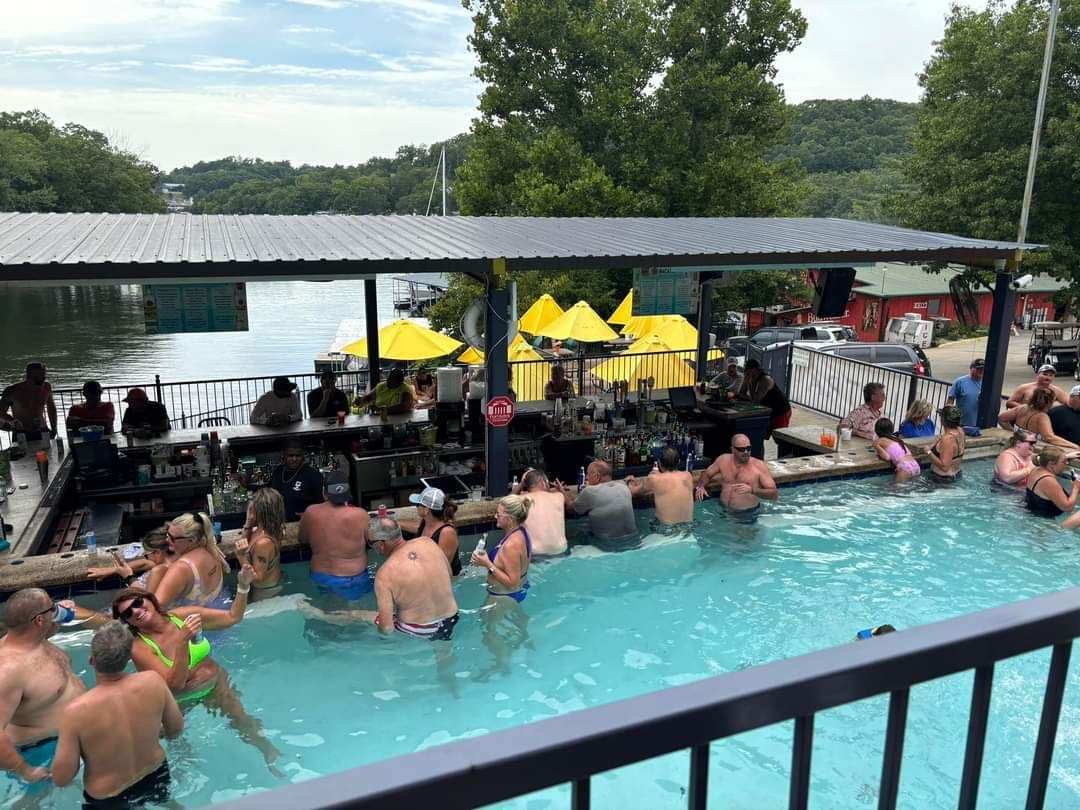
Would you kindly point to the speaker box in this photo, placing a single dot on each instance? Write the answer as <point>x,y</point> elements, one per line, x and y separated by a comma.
<point>832,292</point>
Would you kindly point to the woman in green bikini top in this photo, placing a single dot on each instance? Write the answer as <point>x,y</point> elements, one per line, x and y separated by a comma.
<point>172,642</point>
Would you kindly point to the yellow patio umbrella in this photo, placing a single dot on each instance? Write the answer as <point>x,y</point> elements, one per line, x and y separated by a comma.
<point>641,325</point>
<point>405,340</point>
<point>677,332</point>
<point>581,323</point>
<point>528,378</point>
<point>624,311</point>
<point>470,356</point>
<point>667,370</point>
<point>655,343</point>
<point>544,310</point>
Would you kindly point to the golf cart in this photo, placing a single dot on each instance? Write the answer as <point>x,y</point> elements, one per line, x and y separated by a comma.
<point>1055,343</point>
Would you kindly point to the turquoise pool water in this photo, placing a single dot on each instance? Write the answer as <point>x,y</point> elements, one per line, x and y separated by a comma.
<point>826,560</point>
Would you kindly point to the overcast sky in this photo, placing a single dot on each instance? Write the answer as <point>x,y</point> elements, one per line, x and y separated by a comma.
<point>338,81</point>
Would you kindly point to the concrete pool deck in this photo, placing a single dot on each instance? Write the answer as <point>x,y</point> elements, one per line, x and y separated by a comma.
<point>855,459</point>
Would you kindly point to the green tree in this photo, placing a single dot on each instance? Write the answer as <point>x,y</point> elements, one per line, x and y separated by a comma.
<point>656,108</point>
<point>760,288</point>
<point>974,130</point>
<point>43,168</point>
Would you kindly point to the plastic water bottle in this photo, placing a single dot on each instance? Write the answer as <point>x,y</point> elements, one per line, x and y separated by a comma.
<point>481,544</point>
<point>90,538</point>
<point>581,479</point>
<point>690,461</point>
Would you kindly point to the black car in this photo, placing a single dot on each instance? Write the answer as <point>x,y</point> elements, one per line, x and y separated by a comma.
<point>899,356</point>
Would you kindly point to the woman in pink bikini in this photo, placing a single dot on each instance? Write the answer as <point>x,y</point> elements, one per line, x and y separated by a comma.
<point>890,447</point>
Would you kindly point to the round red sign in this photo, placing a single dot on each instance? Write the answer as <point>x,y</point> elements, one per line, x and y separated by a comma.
<point>500,411</point>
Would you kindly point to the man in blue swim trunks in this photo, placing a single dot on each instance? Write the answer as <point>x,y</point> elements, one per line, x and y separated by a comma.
<point>337,534</point>
<point>36,685</point>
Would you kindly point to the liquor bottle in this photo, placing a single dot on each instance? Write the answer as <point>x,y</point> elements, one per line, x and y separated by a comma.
<point>581,479</point>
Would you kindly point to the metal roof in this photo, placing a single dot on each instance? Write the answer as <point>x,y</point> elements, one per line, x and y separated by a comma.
<point>144,247</point>
<point>890,280</point>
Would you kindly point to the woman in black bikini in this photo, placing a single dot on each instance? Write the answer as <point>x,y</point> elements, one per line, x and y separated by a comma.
<point>1045,496</point>
<point>947,451</point>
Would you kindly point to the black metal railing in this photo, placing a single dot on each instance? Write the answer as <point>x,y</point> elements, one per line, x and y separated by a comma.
<point>833,385</point>
<point>574,747</point>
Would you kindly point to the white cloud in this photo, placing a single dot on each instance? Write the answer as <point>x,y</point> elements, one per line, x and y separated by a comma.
<point>332,4</point>
<point>38,51</point>
<point>114,67</point>
<point>400,74</point>
<point>262,122</point>
<point>306,29</point>
<point>91,19</point>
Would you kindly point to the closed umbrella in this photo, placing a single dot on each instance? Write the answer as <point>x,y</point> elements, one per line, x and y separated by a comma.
<point>581,323</point>
<point>405,340</point>
<point>544,310</point>
<point>624,311</point>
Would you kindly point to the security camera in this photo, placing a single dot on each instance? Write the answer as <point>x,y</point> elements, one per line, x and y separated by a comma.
<point>1023,281</point>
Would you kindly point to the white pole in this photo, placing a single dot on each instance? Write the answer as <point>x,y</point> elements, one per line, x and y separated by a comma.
<point>1040,107</point>
<point>442,160</point>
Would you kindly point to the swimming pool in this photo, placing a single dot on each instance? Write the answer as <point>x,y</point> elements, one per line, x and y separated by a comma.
<point>825,561</point>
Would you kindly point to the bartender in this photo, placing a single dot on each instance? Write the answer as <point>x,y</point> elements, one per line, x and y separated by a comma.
<point>393,394</point>
<point>299,484</point>
<point>759,387</point>
<point>23,405</point>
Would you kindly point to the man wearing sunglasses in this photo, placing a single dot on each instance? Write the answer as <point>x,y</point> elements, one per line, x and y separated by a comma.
<point>744,480</point>
<point>36,684</point>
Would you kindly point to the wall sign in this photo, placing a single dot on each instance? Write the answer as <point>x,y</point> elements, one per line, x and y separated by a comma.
<point>666,291</point>
<point>171,308</point>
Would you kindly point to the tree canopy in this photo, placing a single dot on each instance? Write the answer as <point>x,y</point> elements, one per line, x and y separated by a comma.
<point>974,131</point>
<point>71,169</point>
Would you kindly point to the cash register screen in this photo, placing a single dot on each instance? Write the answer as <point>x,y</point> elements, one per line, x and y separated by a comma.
<point>682,399</point>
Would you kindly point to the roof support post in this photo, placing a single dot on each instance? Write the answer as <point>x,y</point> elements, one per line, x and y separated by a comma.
<point>497,452</point>
<point>1002,312</point>
<point>371,322</point>
<point>704,323</point>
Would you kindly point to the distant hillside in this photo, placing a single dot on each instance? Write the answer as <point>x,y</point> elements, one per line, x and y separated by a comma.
<point>852,150</point>
<point>397,185</point>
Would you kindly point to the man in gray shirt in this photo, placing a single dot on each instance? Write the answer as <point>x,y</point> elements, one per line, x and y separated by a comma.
<point>609,506</point>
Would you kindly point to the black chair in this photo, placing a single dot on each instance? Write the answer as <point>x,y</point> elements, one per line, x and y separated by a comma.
<point>215,421</point>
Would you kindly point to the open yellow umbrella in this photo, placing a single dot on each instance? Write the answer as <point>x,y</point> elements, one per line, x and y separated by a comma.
<point>677,332</point>
<point>667,370</point>
<point>470,356</point>
<point>405,340</point>
<point>655,343</point>
<point>544,310</point>
<point>624,311</point>
<point>641,325</point>
<point>581,323</point>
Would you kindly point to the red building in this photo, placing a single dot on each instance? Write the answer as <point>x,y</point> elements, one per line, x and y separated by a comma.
<point>891,290</point>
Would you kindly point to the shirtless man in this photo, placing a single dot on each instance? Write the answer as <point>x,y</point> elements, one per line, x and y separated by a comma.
<point>1044,378</point>
<point>546,522</point>
<point>672,490</point>
<point>413,588</point>
<point>24,405</point>
<point>744,479</point>
<point>36,685</point>
<point>114,729</point>
<point>336,532</point>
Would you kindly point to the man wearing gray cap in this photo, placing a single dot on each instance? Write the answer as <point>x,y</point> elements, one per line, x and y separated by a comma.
<point>964,392</point>
<point>336,532</point>
<point>1065,419</point>
<point>1044,378</point>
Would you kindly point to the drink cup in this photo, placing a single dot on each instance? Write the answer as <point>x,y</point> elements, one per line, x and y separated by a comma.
<point>845,434</point>
<point>62,614</point>
<point>341,417</point>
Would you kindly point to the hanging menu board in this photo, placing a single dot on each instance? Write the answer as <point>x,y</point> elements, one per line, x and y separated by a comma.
<point>171,308</point>
<point>665,291</point>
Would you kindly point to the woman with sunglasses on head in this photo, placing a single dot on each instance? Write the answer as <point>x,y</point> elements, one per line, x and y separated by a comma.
<point>1015,463</point>
<point>198,575</point>
<point>148,571</point>
<point>171,643</point>
<point>260,543</point>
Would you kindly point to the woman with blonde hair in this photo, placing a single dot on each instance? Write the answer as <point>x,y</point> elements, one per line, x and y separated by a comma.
<point>917,421</point>
<point>260,542</point>
<point>198,576</point>
<point>1045,496</point>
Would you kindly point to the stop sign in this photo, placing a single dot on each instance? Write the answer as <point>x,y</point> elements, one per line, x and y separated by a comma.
<point>499,412</point>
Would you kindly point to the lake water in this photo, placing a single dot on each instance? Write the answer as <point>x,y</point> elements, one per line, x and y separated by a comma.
<point>98,332</point>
